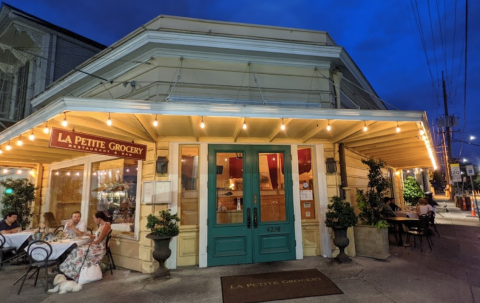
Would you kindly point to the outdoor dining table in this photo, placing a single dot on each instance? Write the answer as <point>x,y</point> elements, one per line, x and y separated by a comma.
<point>400,221</point>
<point>406,213</point>
<point>60,247</point>
<point>17,239</point>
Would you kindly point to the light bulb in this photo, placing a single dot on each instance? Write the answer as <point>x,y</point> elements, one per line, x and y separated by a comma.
<point>19,142</point>
<point>283,126</point>
<point>1,151</point>
<point>31,137</point>
<point>109,122</point>
<point>8,146</point>
<point>45,130</point>
<point>422,132</point>
<point>64,122</point>
<point>365,128</point>
<point>202,125</point>
<point>244,125</point>
<point>329,127</point>
<point>398,129</point>
<point>155,123</point>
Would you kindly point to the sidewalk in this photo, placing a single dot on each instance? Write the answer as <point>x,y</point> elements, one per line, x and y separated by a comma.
<point>450,273</point>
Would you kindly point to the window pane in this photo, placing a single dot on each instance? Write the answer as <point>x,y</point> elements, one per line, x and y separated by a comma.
<point>113,191</point>
<point>229,188</point>
<point>66,192</point>
<point>189,192</point>
<point>272,184</point>
<point>305,175</point>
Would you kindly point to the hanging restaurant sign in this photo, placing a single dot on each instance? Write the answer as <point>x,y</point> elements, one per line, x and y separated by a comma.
<point>72,140</point>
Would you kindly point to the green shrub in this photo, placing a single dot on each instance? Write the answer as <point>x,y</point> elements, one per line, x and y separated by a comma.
<point>166,225</point>
<point>412,191</point>
<point>19,200</point>
<point>340,214</point>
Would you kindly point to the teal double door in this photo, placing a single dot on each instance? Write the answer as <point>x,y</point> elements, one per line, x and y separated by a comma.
<point>250,204</point>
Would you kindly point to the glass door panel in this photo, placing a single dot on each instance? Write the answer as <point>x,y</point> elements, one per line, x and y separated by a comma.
<point>229,188</point>
<point>66,192</point>
<point>272,187</point>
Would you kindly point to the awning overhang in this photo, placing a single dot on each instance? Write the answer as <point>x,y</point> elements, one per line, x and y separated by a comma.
<point>180,121</point>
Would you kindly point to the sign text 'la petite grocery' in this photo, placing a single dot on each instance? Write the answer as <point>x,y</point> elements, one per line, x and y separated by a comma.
<point>88,143</point>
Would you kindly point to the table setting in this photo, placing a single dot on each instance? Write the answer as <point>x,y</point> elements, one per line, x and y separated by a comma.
<point>17,239</point>
<point>59,247</point>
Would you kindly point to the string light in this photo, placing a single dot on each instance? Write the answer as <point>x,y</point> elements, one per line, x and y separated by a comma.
<point>422,132</point>
<point>32,136</point>
<point>45,130</point>
<point>109,121</point>
<point>64,122</point>
<point>202,125</point>
<point>398,128</point>
<point>19,142</point>
<point>155,123</point>
<point>1,151</point>
<point>8,146</point>
<point>283,125</point>
<point>328,126</point>
<point>365,128</point>
<point>245,124</point>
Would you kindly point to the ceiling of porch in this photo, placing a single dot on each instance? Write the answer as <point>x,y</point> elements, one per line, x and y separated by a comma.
<point>403,149</point>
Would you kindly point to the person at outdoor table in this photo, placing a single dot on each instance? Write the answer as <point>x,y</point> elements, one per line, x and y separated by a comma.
<point>50,222</point>
<point>94,251</point>
<point>392,204</point>
<point>423,207</point>
<point>9,224</point>
<point>75,227</point>
<point>387,210</point>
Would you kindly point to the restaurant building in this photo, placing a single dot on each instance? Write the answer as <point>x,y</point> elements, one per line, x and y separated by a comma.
<point>246,131</point>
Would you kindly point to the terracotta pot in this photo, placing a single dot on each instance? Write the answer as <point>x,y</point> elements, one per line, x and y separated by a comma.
<point>161,253</point>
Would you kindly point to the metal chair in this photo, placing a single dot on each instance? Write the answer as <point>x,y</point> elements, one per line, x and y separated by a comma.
<point>431,219</point>
<point>58,231</point>
<point>422,230</point>
<point>38,253</point>
<point>111,264</point>
<point>4,250</point>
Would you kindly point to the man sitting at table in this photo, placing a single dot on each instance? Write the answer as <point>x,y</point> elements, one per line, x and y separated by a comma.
<point>387,210</point>
<point>392,205</point>
<point>9,224</point>
<point>75,227</point>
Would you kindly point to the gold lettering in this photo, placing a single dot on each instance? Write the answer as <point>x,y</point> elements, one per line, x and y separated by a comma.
<point>66,140</point>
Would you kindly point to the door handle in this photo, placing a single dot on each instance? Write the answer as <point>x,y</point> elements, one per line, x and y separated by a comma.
<point>255,218</point>
<point>249,218</point>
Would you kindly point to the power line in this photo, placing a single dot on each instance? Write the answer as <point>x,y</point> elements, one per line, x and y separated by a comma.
<point>433,38</point>
<point>442,34</point>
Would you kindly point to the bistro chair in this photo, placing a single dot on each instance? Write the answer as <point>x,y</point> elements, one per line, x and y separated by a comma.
<point>421,231</point>
<point>58,231</point>
<point>38,253</point>
<point>111,264</point>
<point>431,219</point>
<point>4,250</point>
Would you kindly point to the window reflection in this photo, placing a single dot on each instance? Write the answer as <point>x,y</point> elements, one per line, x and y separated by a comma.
<point>66,192</point>
<point>229,173</point>
<point>189,192</point>
<point>272,187</point>
<point>113,191</point>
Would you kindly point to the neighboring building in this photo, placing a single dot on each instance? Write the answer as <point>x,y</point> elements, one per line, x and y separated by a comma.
<point>34,54</point>
<point>247,131</point>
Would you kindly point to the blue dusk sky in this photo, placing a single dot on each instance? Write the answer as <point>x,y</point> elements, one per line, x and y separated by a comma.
<point>389,40</point>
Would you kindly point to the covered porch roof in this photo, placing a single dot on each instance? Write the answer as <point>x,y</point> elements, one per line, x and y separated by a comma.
<point>180,122</point>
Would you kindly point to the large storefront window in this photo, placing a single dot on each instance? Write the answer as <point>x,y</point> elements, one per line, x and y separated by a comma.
<point>305,175</point>
<point>113,188</point>
<point>189,185</point>
<point>66,192</point>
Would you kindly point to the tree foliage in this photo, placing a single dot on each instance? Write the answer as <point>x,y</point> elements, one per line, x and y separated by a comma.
<point>412,191</point>
<point>20,200</point>
<point>371,203</point>
<point>166,225</point>
<point>340,214</point>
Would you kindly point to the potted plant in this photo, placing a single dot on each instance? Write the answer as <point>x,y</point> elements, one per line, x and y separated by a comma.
<point>18,198</point>
<point>162,230</point>
<point>371,237</point>
<point>412,191</point>
<point>340,216</point>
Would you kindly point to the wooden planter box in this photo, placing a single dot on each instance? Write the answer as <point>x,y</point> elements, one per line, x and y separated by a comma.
<point>371,242</point>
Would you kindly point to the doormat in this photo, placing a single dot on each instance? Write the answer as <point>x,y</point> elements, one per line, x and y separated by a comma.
<point>277,286</point>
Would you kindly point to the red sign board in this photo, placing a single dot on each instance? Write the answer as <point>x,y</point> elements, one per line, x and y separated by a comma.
<point>88,143</point>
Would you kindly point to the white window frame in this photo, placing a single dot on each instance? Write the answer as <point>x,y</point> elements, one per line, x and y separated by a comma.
<point>87,173</point>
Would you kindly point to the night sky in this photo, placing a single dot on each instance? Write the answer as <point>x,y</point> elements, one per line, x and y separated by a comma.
<point>382,37</point>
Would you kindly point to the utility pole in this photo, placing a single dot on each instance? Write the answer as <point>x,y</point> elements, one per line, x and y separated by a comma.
<point>447,137</point>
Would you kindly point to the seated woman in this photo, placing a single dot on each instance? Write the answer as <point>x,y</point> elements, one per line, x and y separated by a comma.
<point>96,249</point>
<point>423,207</point>
<point>50,222</point>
